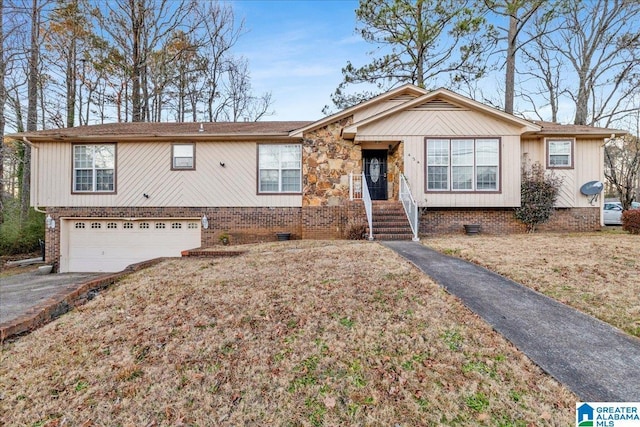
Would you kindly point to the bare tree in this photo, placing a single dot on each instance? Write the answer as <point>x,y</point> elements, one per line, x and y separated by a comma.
<point>519,13</point>
<point>3,101</point>
<point>599,42</point>
<point>622,164</point>
<point>543,78</point>
<point>138,27</point>
<point>32,102</point>
<point>219,36</point>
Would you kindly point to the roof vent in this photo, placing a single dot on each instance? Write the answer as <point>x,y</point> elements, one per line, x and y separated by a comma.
<point>437,104</point>
<point>201,128</point>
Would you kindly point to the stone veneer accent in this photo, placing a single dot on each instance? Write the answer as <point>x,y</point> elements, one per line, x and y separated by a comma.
<point>327,161</point>
<point>395,166</point>
<point>503,221</point>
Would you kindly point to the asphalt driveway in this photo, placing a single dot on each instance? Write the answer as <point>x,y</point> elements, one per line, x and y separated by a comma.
<point>21,292</point>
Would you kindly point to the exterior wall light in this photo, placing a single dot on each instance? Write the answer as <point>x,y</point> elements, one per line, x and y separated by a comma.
<point>50,222</point>
<point>205,222</point>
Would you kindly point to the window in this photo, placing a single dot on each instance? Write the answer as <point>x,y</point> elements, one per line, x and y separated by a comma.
<point>143,226</point>
<point>193,226</point>
<point>279,168</point>
<point>183,156</point>
<point>560,153</point>
<point>96,225</point>
<point>112,225</point>
<point>463,164</point>
<point>160,225</point>
<point>176,225</point>
<point>94,168</point>
<point>127,225</point>
<point>80,225</point>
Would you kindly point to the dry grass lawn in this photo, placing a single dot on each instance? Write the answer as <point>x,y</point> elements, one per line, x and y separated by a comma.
<point>289,334</point>
<point>597,273</point>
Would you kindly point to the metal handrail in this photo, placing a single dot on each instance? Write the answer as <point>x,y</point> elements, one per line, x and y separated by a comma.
<point>368,205</point>
<point>410,206</point>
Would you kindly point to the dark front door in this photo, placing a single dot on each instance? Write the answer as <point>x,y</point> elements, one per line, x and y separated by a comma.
<point>375,171</point>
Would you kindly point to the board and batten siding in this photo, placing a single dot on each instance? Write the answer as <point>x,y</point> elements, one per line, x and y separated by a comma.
<point>413,126</point>
<point>145,168</point>
<point>588,164</point>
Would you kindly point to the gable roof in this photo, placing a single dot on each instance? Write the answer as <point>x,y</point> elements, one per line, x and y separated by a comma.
<point>451,101</point>
<point>167,131</point>
<point>407,89</point>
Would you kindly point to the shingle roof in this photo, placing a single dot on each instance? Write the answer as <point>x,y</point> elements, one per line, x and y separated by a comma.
<point>551,128</point>
<point>155,130</point>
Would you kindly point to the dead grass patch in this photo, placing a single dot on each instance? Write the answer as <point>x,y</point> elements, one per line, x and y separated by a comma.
<point>293,333</point>
<point>596,273</point>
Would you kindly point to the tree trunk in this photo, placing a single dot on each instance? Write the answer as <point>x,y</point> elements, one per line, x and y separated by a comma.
<point>582,101</point>
<point>71,84</point>
<point>32,109</point>
<point>136,32</point>
<point>3,100</point>
<point>509,89</point>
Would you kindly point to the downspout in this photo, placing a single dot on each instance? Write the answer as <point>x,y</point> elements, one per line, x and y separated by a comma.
<point>33,172</point>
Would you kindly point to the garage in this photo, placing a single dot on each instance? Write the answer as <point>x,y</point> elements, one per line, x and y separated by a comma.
<point>109,245</point>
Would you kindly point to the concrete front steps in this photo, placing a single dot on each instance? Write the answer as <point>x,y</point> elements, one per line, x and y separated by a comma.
<point>390,221</point>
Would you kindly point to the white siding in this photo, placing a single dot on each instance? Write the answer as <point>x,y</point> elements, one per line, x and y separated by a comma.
<point>380,107</point>
<point>439,122</point>
<point>145,168</point>
<point>413,126</point>
<point>588,166</point>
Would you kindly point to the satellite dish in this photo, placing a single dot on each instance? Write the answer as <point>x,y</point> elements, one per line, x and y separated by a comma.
<point>592,189</point>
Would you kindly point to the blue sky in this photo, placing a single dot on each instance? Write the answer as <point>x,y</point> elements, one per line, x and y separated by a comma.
<point>296,50</point>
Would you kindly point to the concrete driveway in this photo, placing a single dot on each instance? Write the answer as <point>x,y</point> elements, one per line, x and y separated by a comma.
<point>21,292</point>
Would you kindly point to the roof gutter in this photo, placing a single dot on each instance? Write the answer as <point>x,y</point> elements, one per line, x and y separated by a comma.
<point>166,138</point>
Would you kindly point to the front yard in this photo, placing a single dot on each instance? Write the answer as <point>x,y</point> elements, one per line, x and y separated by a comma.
<point>291,333</point>
<point>596,273</point>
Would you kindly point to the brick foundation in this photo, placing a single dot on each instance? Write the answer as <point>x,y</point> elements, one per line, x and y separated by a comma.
<point>328,222</point>
<point>503,221</point>
<point>253,225</point>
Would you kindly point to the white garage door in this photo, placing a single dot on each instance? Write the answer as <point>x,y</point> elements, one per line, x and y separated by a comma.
<point>111,245</point>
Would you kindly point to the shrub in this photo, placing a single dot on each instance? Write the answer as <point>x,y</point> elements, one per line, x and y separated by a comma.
<point>539,192</point>
<point>20,237</point>
<point>356,229</point>
<point>631,221</point>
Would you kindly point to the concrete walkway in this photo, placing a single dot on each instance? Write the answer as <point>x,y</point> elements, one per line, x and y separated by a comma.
<point>595,360</point>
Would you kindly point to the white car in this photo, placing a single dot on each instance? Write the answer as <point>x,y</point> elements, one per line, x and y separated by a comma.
<point>612,212</point>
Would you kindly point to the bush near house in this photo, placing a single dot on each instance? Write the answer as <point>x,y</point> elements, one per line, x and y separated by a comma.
<point>631,221</point>
<point>539,192</point>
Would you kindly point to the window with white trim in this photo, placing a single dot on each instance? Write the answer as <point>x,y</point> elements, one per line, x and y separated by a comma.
<point>463,164</point>
<point>94,168</point>
<point>279,168</point>
<point>183,156</point>
<point>559,153</point>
